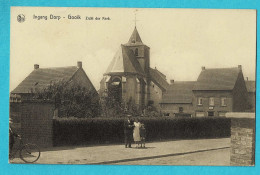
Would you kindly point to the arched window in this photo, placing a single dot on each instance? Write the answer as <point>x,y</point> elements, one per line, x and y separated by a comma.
<point>136,52</point>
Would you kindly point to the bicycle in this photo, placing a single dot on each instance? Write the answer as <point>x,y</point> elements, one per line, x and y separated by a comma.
<point>29,153</point>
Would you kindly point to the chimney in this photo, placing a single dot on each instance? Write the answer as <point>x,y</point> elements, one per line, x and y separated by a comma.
<point>203,68</point>
<point>239,67</point>
<point>36,66</point>
<point>79,64</point>
<point>171,81</point>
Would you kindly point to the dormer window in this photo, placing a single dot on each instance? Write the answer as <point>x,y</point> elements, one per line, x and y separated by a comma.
<point>136,52</point>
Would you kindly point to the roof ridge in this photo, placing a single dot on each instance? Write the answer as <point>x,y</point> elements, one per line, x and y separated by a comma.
<point>184,81</point>
<point>57,67</point>
<point>222,68</point>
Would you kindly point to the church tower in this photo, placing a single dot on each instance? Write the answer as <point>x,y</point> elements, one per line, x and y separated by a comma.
<point>141,51</point>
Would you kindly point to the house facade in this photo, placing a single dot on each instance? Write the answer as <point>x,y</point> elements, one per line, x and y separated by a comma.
<point>218,91</point>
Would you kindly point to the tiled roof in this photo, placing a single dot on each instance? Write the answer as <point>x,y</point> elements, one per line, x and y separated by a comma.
<point>179,92</point>
<point>250,85</point>
<point>217,79</point>
<point>158,79</point>
<point>42,77</point>
<point>124,61</point>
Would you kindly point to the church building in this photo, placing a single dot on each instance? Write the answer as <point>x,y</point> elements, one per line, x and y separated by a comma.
<point>130,79</point>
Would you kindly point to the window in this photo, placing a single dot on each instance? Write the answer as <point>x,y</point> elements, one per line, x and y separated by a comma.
<point>211,101</point>
<point>200,114</point>
<point>136,52</point>
<point>223,101</point>
<point>211,113</point>
<point>180,109</point>
<point>199,100</point>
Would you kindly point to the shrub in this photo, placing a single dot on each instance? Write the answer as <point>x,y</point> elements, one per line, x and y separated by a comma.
<point>75,131</point>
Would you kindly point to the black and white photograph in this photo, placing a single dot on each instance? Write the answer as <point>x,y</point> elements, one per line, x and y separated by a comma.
<point>132,86</point>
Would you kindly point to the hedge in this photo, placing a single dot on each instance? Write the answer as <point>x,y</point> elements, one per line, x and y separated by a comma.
<point>78,131</point>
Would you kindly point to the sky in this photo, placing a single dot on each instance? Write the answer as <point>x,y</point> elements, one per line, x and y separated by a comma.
<point>181,41</point>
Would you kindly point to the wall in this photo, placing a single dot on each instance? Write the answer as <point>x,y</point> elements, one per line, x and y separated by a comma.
<point>240,95</point>
<point>143,56</point>
<point>217,106</point>
<point>36,123</point>
<point>156,96</point>
<point>130,89</point>
<point>251,101</point>
<point>242,139</point>
<point>174,108</point>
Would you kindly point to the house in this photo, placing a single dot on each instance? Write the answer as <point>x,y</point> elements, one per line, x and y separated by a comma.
<point>177,100</point>
<point>129,77</point>
<point>42,78</point>
<point>218,91</point>
<point>250,85</point>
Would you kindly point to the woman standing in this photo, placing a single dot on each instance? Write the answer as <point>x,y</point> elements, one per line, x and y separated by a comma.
<point>136,132</point>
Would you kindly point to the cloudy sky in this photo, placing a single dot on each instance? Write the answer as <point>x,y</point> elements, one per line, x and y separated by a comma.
<point>180,40</point>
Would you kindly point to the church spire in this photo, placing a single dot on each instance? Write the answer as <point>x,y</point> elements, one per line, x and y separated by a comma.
<point>135,38</point>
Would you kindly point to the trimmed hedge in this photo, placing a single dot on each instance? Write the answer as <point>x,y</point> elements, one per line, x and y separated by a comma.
<point>76,131</point>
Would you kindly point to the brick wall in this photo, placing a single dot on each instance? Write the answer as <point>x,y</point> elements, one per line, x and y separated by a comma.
<point>242,139</point>
<point>217,108</point>
<point>36,123</point>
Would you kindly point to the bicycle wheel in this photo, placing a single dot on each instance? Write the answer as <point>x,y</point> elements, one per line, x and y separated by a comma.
<point>30,153</point>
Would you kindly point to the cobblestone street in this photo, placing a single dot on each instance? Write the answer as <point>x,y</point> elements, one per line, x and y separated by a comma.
<point>179,152</point>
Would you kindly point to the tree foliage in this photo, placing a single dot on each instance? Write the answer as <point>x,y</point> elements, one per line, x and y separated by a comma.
<point>71,100</point>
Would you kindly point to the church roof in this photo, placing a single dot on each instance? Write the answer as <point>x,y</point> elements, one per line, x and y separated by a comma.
<point>124,61</point>
<point>180,92</point>
<point>160,73</point>
<point>217,79</point>
<point>135,39</point>
<point>42,77</point>
<point>158,78</point>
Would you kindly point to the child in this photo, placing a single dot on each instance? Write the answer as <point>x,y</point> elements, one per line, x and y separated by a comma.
<point>142,135</point>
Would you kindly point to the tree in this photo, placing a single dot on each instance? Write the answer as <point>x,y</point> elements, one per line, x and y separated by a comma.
<point>71,100</point>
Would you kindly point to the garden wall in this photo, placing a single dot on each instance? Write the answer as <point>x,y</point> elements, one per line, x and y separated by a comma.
<point>242,139</point>
<point>36,123</point>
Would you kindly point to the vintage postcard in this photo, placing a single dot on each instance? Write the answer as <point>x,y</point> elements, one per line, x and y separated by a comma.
<point>132,86</point>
